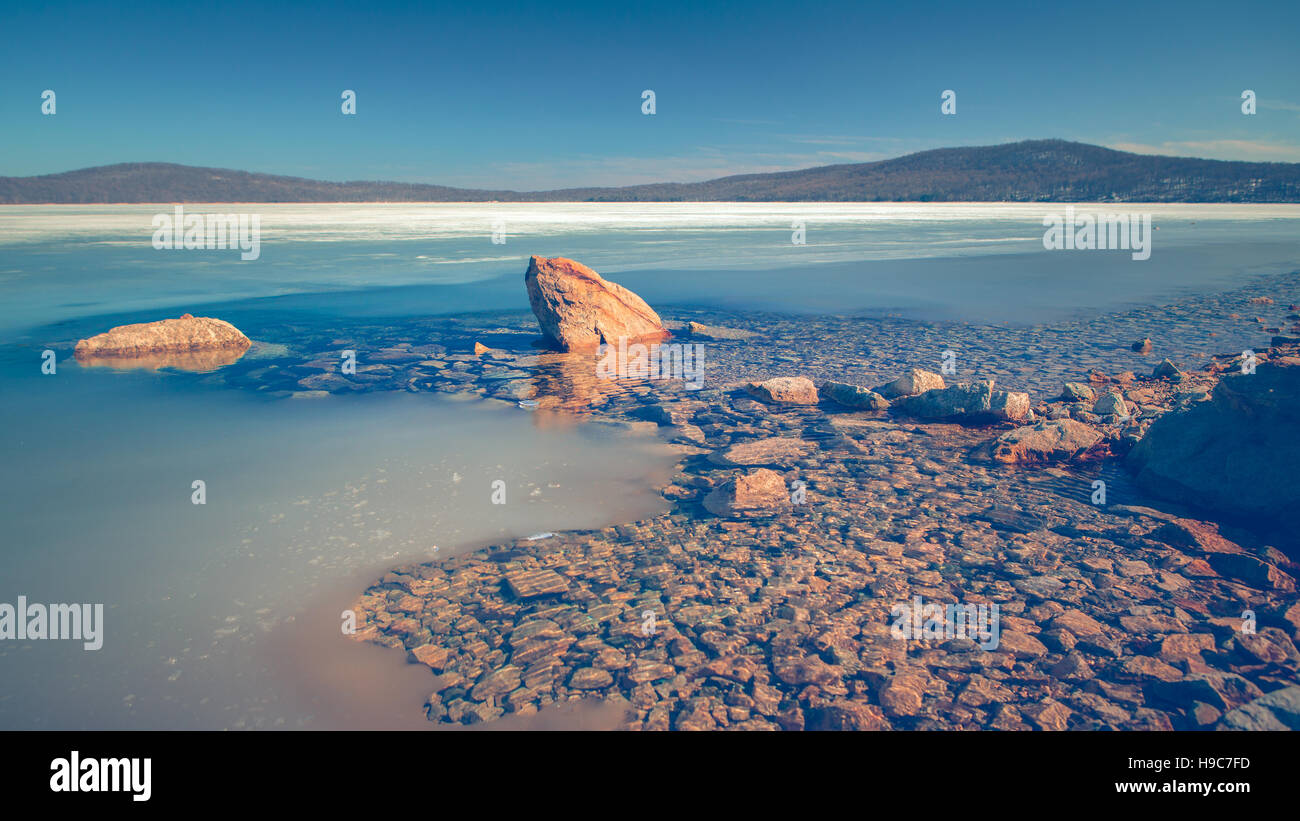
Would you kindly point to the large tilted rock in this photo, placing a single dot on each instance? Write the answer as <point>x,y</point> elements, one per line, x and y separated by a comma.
<point>1054,441</point>
<point>760,493</point>
<point>974,402</point>
<point>1235,453</point>
<point>187,334</point>
<point>578,309</point>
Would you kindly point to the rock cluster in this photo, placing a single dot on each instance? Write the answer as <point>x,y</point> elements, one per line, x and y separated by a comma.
<point>796,526</point>
<point>774,614</point>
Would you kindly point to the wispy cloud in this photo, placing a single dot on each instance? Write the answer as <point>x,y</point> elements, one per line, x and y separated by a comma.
<point>1254,150</point>
<point>1278,105</point>
<point>733,121</point>
<point>822,139</point>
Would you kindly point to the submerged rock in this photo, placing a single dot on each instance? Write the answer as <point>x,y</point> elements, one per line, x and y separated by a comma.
<point>1053,441</point>
<point>777,450</point>
<point>697,330</point>
<point>187,335</point>
<point>578,309</point>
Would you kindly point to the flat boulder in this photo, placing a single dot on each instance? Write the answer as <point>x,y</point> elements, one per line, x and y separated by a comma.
<point>975,402</point>
<point>697,330</point>
<point>785,390</point>
<point>578,309</point>
<point>188,334</point>
<point>776,450</point>
<point>760,493</point>
<point>1057,440</point>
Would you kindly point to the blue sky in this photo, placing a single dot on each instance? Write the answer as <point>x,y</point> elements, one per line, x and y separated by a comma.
<point>537,95</point>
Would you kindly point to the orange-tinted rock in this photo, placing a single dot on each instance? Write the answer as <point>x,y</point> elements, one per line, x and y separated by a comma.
<point>432,655</point>
<point>578,309</point>
<point>901,696</point>
<point>1050,441</point>
<point>786,390</point>
<point>527,584</point>
<point>185,335</point>
<point>590,678</point>
<point>1079,623</point>
<point>760,493</point>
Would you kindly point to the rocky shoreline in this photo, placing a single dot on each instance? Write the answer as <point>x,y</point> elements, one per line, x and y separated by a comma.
<point>755,612</point>
<point>741,609</point>
<point>1114,616</point>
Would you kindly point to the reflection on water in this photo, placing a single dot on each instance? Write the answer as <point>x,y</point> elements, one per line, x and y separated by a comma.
<point>569,382</point>
<point>196,361</point>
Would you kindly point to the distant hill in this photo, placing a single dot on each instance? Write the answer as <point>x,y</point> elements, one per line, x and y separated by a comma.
<point>1029,171</point>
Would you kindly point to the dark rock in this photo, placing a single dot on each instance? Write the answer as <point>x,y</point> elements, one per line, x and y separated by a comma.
<point>1235,453</point>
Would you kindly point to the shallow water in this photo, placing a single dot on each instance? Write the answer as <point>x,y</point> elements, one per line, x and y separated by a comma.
<point>304,500</point>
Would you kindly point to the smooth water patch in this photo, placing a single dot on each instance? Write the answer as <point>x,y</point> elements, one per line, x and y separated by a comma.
<point>305,499</point>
